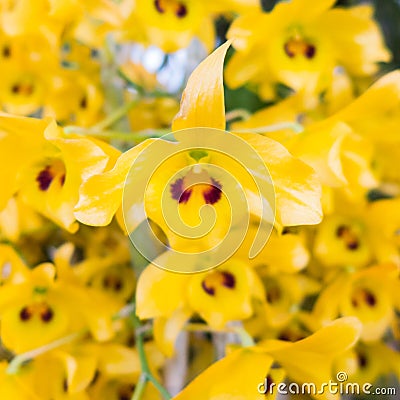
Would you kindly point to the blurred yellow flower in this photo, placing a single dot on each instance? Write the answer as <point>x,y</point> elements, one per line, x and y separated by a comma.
<point>301,48</point>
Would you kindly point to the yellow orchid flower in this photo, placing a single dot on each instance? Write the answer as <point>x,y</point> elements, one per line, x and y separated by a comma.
<point>23,90</point>
<point>111,274</point>
<point>219,296</point>
<point>367,294</point>
<point>172,24</point>
<point>224,294</point>
<point>30,304</point>
<point>50,166</point>
<point>353,236</point>
<point>342,241</point>
<point>301,49</point>
<point>82,96</point>
<point>41,309</point>
<point>348,149</point>
<point>201,292</point>
<point>284,296</point>
<point>366,363</point>
<point>317,353</point>
<point>202,105</point>
<point>84,370</point>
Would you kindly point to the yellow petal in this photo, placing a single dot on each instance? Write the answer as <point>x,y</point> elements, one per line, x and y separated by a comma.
<point>115,360</point>
<point>202,103</point>
<point>80,370</point>
<point>166,330</point>
<point>321,148</point>
<point>297,189</point>
<point>101,195</point>
<point>236,376</point>
<point>316,352</point>
<point>159,293</point>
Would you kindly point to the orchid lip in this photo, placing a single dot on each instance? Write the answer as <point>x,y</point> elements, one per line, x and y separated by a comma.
<point>44,178</point>
<point>182,192</point>
<point>226,279</point>
<point>177,7</point>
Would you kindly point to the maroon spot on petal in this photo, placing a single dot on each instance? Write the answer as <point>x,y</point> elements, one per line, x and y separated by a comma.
<point>95,378</point>
<point>107,282</point>
<point>208,289</point>
<point>157,4</point>
<point>299,47</point>
<point>181,11</point>
<point>24,89</point>
<point>185,196</point>
<point>370,298</point>
<point>62,179</point>
<point>273,294</point>
<point>6,51</point>
<point>310,51</point>
<point>118,285</point>
<point>229,280</point>
<point>349,237</point>
<point>125,392</point>
<point>47,315</point>
<point>362,360</point>
<point>44,178</point>
<point>354,245</point>
<point>363,296</point>
<point>25,314</point>
<point>178,192</point>
<point>341,230</point>
<point>268,382</point>
<point>83,103</point>
<point>288,51</point>
<point>213,193</point>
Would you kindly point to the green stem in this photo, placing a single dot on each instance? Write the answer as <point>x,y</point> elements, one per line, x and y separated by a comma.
<point>296,127</point>
<point>164,393</point>
<point>115,116</point>
<point>17,361</point>
<point>244,336</point>
<point>146,372</point>
<point>139,389</point>
<point>138,136</point>
<point>239,113</point>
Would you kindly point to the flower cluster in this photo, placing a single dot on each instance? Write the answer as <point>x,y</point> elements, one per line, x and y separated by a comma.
<point>88,88</point>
